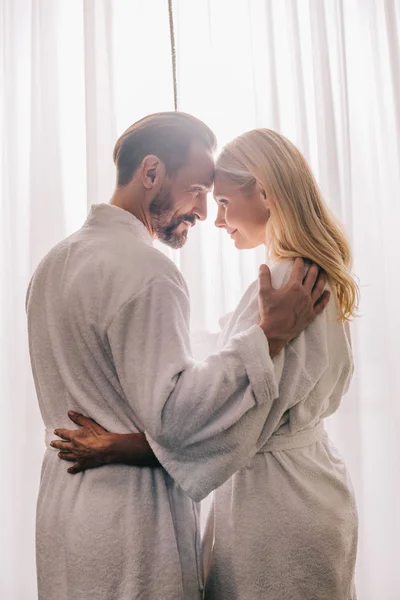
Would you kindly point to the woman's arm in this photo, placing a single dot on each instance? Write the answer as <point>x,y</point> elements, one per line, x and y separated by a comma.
<point>92,446</point>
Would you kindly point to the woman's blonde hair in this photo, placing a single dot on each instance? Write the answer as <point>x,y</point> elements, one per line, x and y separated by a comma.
<point>300,223</point>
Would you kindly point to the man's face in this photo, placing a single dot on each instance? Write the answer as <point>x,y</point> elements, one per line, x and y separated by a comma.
<point>182,199</point>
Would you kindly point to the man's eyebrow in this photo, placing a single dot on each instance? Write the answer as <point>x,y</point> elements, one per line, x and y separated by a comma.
<point>205,186</point>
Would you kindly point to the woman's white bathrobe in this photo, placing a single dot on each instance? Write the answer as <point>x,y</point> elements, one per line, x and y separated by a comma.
<point>283,527</point>
<point>108,320</point>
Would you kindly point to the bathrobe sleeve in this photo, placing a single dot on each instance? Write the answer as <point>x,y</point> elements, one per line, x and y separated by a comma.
<point>311,371</point>
<point>205,343</point>
<point>180,401</point>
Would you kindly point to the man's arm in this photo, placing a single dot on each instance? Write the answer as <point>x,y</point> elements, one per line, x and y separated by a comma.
<point>175,399</point>
<point>179,401</point>
<point>299,300</point>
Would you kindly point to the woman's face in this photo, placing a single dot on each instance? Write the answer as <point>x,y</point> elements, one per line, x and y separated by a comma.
<point>244,216</point>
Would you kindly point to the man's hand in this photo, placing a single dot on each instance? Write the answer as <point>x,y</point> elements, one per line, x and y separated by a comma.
<point>286,312</point>
<point>91,446</point>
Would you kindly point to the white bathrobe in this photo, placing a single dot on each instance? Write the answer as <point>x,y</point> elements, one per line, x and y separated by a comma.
<point>108,320</point>
<point>284,527</point>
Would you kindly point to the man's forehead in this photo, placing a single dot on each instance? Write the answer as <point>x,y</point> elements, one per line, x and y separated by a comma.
<point>200,168</point>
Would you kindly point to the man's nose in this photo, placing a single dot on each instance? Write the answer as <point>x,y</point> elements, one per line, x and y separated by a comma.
<point>201,207</point>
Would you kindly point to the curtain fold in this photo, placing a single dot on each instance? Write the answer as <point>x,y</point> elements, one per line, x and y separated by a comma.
<point>101,129</point>
<point>325,73</point>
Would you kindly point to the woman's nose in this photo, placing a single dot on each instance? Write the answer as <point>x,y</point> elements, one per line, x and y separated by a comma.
<point>220,220</point>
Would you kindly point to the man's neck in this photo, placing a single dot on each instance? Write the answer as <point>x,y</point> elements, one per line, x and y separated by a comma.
<point>122,200</point>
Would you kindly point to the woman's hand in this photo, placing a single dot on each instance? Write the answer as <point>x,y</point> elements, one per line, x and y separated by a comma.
<point>92,446</point>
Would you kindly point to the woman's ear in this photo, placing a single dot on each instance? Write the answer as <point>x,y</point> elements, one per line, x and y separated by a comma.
<point>265,199</point>
<point>262,191</point>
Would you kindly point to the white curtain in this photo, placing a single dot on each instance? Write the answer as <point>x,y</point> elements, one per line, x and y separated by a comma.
<point>326,73</point>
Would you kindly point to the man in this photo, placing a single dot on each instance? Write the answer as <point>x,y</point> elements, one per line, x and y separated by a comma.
<point>108,319</point>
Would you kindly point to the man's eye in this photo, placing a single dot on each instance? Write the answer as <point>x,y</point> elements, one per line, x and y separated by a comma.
<point>222,202</point>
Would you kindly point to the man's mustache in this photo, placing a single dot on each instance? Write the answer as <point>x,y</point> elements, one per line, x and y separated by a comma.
<point>187,218</point>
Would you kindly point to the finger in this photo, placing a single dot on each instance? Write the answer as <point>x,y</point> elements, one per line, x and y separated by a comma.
<point>83,421</point>
<point>65,434</point>
<point>69,456</point>
<point>322,303</point>
<point>77,468</point>
<point>319,287</point>
<point>60,445</point>
<point>311,278</point>
<point>297,274</point>
<point>78,419</point>
<point>264,276</point>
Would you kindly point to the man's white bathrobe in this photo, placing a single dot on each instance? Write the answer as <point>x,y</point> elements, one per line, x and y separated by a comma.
<point>284,527</point>
<point>108,320</point>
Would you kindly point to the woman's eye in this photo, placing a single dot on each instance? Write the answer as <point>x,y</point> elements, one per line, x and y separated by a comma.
<point>222,202</point>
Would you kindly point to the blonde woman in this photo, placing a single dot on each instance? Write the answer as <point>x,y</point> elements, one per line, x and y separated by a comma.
<point>284,525</point>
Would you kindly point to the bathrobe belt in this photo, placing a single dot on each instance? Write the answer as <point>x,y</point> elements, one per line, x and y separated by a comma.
<point>291,441</point>
<point>279,441</point>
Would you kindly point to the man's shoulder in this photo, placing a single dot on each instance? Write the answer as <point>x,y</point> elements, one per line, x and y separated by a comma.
<point>159,262</point>
<point>126,255</point>
<point>120,266</point>
<point>139,270</point>
<point>57,252</point>
<point>148,263</point>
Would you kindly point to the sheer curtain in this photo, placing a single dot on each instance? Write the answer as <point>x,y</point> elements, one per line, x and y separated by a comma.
<point>326,73</point>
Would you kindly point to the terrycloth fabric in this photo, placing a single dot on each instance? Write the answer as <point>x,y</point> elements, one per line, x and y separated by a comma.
<point>108,331</point>
<point>284,527</point>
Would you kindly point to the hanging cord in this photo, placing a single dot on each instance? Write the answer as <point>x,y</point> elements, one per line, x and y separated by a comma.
<point>173,53</point>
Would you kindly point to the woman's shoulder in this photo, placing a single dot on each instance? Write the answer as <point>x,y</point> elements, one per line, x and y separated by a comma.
<point>281,270</point>
<point>280,274</point>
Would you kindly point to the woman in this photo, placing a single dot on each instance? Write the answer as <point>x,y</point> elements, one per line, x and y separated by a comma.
<point>284,527</point>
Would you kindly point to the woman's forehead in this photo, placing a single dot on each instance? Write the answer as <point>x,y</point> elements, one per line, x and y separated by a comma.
<point>222,186</point>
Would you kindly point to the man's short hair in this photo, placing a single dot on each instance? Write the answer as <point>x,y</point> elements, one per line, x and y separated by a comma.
<point>167,135</point>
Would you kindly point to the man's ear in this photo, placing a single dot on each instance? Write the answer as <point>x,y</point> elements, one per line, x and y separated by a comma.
<point>152,170</point>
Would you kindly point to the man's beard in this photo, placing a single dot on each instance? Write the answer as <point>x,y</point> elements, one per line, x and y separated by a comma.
<point>165,226</point>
